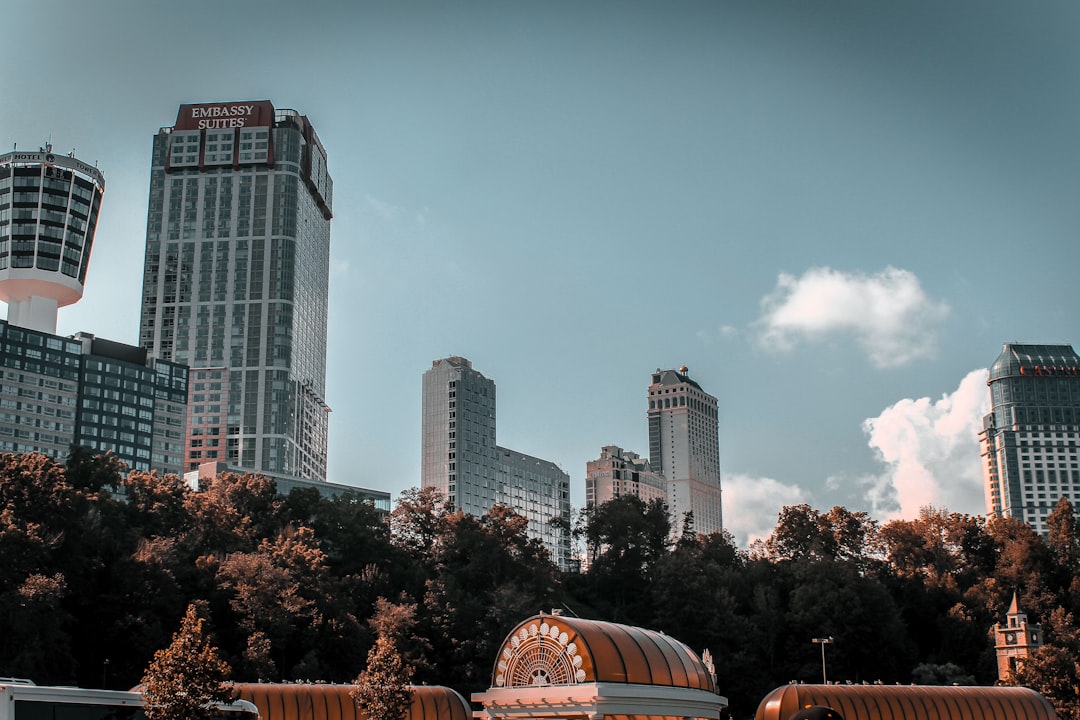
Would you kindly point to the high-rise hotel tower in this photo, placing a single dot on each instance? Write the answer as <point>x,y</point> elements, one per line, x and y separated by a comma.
<point>1031,438</point>
<point>684,447</point>
<point>236,280</point>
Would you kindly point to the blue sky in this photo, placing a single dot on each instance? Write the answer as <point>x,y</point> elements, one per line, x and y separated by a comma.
<point>834,213</point>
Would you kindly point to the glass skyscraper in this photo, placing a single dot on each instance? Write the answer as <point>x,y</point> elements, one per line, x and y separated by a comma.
<point>459,457</point>
<point>1030,438</point>
<point>235,282</point>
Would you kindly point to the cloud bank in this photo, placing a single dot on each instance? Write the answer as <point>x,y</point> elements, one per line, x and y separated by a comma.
<point>890,316</point>
<point>932,452</point>
<point>752,505</point>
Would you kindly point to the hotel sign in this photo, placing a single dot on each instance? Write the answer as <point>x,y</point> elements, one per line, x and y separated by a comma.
<point>50,159</point>
<point>209,116</point>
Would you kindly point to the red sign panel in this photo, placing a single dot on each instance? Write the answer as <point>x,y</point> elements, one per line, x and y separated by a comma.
<point>208,116</point>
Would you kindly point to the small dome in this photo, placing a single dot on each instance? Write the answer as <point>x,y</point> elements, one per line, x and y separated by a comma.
<point>558,650</point>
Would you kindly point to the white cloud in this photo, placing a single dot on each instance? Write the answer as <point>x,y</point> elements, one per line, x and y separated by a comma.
<point>890,316</point>
<point>710,337</point>
<point>932,452</point>
<point>752,505</point>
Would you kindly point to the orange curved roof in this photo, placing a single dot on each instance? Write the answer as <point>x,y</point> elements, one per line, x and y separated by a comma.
<point>901,702</point>
<point>285,701</point>
<point>558,650</point>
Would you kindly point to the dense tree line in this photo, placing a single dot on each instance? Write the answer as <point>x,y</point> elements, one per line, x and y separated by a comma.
<point>98,567</point>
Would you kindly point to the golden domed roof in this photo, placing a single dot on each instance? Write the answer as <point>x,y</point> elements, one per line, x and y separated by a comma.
<point>559,650</point>
<point>898,702</point>
<point>277,701</point>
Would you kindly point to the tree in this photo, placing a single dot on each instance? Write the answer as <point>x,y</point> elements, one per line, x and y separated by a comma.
<point>1054,673</point>
<point>1064,537</point>
<point>803,533</point>
<point>944,674</point>
<point>382,690</point>
<point>185,680</point>
<point>626,538</point>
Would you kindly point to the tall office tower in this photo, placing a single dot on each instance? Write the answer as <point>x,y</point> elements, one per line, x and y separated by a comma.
<point>235,282</point>
<point>1031,437</point>
<point>684,447</point>
<point>458,435</point>
<point>461,459</point>
<point>619,472</point>
<point>49,208</point>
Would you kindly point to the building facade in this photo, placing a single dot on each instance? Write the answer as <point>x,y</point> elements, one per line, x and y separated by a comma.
<point>1031,438</point>
<point>684,447</point>
<point>460,458</point>
<point>102,395</point>
<point>458,435</point>
<point>235,282</point>
<point>619,472</point>
<point>539,490</point>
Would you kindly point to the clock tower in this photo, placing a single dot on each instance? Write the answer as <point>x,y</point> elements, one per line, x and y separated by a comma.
<point>1015,639</point>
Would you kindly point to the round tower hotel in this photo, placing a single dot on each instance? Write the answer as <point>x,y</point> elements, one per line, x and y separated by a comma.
<point>235,282</point>
<point>48,215</point>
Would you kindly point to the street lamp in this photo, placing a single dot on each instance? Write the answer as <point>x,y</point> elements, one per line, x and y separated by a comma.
<point>823,642</point>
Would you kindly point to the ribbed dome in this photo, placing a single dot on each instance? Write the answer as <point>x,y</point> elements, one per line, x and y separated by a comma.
<point>333,702</point>
<point>557,650</point>
<point>902,702</point>
<point>1016,359</point>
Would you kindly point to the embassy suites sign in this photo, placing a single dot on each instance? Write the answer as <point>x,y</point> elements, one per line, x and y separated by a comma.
<point>209,116</point>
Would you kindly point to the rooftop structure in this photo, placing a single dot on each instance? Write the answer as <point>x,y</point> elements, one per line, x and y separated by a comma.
<point>49,206</point>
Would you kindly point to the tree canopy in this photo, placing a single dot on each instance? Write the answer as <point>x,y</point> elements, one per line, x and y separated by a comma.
<point>98,567</point>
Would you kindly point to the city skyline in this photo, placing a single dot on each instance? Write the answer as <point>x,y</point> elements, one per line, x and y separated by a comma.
<point>834,215</point>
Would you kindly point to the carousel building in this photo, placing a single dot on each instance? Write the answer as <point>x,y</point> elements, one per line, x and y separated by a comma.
<point>552,666</point>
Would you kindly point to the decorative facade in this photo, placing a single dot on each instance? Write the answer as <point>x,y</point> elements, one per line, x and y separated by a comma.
<point>552,666</point>
<point>1031,437</point>
<point>235,282</point>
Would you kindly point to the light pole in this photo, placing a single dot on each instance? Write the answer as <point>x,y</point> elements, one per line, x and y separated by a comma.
<point>823,642</point>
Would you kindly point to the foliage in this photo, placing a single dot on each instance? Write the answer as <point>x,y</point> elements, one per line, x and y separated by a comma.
<point>947,674</point>
<point>382,690</point>
<point>297,585</point>
<point>186,679</point>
